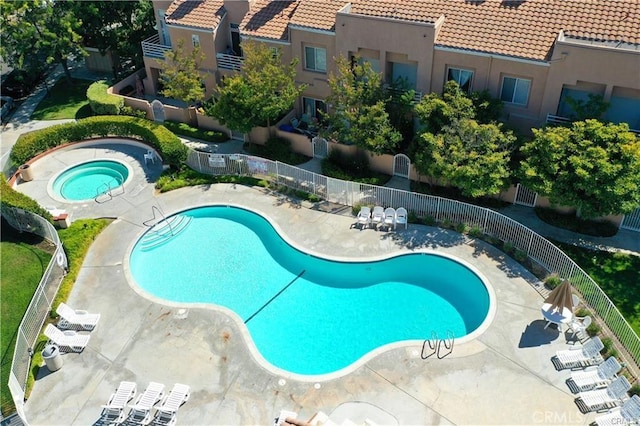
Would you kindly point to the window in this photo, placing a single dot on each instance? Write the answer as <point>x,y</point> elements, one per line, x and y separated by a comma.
<point>515,90</point>
<point>315,59</point>
<point>312,107</point>
<point>195,39</point>
<point>462,77</point>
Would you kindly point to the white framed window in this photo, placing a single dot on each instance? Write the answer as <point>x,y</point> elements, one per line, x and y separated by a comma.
<point>464,78</point>
<point>195,40</point>
<point>515,90</point>
<point>315,59</point>
<point>312,107</point>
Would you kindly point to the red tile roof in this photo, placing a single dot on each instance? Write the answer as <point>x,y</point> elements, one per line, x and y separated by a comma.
<point>268,19</point>
<point>525,29</point>
<point>204,14</point>
<point>318,14</point>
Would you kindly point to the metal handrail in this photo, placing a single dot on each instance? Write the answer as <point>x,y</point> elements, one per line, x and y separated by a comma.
<point>164,219</point>
<point>107,191</point>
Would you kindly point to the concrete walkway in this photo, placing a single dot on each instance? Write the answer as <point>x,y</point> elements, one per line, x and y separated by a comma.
<point>504,376</point>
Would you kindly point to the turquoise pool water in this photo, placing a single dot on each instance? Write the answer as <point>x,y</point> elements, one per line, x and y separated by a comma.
<point>305,314</point>
<point>85,181</point>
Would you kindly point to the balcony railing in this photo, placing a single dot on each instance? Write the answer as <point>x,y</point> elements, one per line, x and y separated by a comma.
<point>152,47</point>
<point>229,62</point>
<point>564,121</point>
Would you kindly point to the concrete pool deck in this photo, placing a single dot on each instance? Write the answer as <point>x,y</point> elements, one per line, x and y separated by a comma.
<point>505,376</point>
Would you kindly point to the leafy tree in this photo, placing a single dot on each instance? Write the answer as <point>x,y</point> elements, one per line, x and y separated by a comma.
<point>399,105</point>
<point>115,25</point>
<point>358,109</point>
<point>487,108</point>
<point>180,76</point>
<point>37,29</point>
<point>436,112</point>
<point>592,166</point>
<point>473,157</point>
<point>594,107</point>
<point>262,92</point>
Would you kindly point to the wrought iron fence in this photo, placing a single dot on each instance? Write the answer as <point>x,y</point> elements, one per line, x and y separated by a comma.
<point>40,304</point>
<point>489,222</point>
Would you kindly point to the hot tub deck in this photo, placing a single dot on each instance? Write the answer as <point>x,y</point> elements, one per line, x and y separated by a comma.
<point>505,376</point>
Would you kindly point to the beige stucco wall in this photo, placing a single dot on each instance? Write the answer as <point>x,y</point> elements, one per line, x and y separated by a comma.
<point>316,82</point>
<point>572,63</point>
<point>394,40</point>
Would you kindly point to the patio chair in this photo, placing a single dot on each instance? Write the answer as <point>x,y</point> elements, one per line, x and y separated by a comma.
<point>612,395</point>
<point>580,356</point>
<point>377,216</point>
<point>141,410</point>
<point>166,414</point>
<point>283,417</point>
<point>149,156</point>
<point>594,376</point>
<point>628,413</point>
<point>390,218</point>
<point>401,217</point>
<point>364,217</point>
<point>579,326</point>
<point>113,411</point>
<point>68,339</point>
<point>575,300</point>
<point>72,318</point>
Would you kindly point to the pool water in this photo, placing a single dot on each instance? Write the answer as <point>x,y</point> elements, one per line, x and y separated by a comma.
<point>87,180</point>
<point>305,314</point>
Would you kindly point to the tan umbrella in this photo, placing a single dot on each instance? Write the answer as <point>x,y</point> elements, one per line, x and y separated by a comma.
<point>560,297</point>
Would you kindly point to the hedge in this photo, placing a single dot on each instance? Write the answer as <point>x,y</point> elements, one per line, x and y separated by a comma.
<point>9,197</point>
<point>101,102</point>
<point>168,144</point>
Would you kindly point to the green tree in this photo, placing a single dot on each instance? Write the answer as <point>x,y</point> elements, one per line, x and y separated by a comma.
<point>180,76</point>
<point>435,112</point>
<point>357,112</point>
<point>261,93</point>
<point>592,166</point>
<point>473,157</point>
<point>116,25</point>
<point>37,29</point>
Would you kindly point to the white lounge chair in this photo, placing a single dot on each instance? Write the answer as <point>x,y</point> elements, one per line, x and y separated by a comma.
<point>72,318</point>
<point>141,410</point>
<point>612,395</point>
<point>390,218</point>
<point>579,326</point>
<point>628,414</point>
<point>113,411</point>
<point>166,414</point>
<point>283,416</point>
<point>401,217</point>
<point>581,356</point>
<point>377,216</point>
<point>598,376</point>
<point>364,217</point>
<point>68,339</point>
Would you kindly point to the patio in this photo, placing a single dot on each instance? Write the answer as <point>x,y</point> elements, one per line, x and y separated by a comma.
<point>505,376</point>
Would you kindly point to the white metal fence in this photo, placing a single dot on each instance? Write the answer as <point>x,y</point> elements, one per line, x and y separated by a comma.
<point>536,247</point>
<point>40,304</point>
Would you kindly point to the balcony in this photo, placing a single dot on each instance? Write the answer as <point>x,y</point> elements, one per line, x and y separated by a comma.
<point>152,48</point>
<point>229,62</point>
<point>557,120</point>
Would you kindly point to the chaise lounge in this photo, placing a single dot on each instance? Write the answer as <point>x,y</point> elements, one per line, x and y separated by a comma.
<point>68,339</point>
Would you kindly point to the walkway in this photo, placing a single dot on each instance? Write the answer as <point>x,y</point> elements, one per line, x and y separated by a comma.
<point>505,376</point>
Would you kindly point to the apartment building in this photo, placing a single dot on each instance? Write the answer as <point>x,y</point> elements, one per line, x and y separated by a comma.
<point>532,54</point>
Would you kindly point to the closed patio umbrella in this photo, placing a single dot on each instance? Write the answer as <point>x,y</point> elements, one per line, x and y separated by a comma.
<point>558,307</point>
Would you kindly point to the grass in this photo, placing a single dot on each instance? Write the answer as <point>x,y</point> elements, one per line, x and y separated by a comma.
<point>618,274</point>
<point>64,100</point>
<point>23,263</point>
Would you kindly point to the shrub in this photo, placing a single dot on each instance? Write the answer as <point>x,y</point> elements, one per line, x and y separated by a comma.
<point>609,349</point>
<point>355,209</point>
<point>598,228</point>
<point>132,112</point>
<point>635,390</point>
<point>520,255</point>
<point>9,197</point>
<point>429,220</point>
<point>593,329</point>
<point>476,232</point>
<point>446,223</point>
<point>31,144</point>
<point>412,217</point>
<point>508,247</point>
<point>553,281</point>
<point>101,102</point>
<point>351,167</point>
<point>462,228</point>
<point>193,132</point>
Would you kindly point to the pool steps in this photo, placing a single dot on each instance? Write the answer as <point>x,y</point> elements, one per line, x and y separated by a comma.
<point>164,231</point>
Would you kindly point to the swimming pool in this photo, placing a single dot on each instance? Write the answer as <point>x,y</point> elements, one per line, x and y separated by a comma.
<point>87,180</point>
<point>306,315</point>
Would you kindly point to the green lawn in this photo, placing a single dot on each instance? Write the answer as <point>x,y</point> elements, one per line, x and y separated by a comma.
<point>21,268</point>
<point>64,100</point>
<point>618,274</point>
